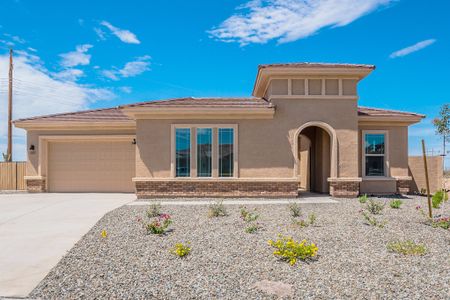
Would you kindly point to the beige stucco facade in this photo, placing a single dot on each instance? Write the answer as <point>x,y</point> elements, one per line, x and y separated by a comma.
<point>309,135</point>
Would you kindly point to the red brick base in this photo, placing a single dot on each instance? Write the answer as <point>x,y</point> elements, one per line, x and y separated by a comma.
<point>403,186</point>
<point>344,189</point>
<point>185,188</point>
<point>35,185</point>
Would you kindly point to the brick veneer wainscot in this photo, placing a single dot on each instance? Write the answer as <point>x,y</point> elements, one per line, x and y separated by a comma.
<point>344,189</point>
<point>35,185</point>
<point>173,188</point>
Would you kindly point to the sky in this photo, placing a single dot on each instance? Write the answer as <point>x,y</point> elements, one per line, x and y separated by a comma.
<point>91,54</point>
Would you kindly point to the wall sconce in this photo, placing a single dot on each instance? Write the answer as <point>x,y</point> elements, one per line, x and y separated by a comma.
<point>31,149</point>
<point>134,142</point>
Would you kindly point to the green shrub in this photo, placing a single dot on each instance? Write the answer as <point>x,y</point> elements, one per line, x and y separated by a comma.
<point>154,210</point>
<point>295,209</point>
<point>396,203</point>
<point>407,248</point>
<point>248,216</point>
<point>442,222</point>
<point>253,228</point>
<point>438,198</point>
<point>180,250</point>
<point>290,250</point>
<point>363,198</point>
<point>372,220</point>
<point>217,209</point>
<point>305,223</point>
<point>375,207</point>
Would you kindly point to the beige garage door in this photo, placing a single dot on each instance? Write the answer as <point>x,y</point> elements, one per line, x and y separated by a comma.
<point>89,166</point>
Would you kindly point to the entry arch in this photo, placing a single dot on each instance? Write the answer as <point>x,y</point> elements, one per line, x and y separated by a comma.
<point>334,146</point>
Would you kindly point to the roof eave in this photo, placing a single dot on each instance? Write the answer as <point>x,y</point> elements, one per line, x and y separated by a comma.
<point>70,125</point>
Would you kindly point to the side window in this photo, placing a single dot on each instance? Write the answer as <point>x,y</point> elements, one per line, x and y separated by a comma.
<point>183,152</point>
<point>226,155</point>
<point>204,152</point>
<point>374,154</point>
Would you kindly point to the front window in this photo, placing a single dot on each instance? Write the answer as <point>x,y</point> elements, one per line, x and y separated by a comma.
<point>375,154</point>
<point>226,148</point>
<point>183,152</point>
<point>204,152</point>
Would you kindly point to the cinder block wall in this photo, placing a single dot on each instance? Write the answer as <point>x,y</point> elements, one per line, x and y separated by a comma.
<point>417,172</point>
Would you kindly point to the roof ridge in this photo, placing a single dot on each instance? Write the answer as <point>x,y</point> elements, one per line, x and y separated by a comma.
<point>187,98</point>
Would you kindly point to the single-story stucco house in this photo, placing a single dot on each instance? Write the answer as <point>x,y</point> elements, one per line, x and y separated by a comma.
<point>301,130</point>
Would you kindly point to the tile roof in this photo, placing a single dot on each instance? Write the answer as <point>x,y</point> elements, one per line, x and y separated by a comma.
<point>378,112</point>
<point>315,65</point>
<point>204,102</point>
<point>94,115</point>
<point>116,114</point>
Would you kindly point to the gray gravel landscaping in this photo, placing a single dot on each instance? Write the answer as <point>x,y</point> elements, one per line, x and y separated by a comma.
<point>228,263</point>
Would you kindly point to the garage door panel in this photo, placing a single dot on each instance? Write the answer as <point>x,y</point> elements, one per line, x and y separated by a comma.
<point>91,166</point>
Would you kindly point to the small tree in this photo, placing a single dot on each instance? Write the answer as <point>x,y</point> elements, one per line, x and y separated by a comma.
<point>442,126</point>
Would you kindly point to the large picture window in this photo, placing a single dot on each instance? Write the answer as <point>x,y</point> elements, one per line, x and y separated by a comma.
<point>204,152</point>
<point>226,149</point>
<point>183,152</point>
<point>374,154</point>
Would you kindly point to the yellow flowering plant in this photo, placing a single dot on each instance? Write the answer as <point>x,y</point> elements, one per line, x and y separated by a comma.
<point>181,250</point>
<point>290,250</point>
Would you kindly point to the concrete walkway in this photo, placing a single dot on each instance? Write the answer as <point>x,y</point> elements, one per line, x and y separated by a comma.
<point>314,199</point>
<point>36,230</point>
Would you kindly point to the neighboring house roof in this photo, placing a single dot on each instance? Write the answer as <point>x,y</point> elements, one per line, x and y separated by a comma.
<point>116,115</point>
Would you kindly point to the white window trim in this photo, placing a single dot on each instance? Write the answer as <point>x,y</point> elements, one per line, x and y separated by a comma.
<point>387,171</point>
<point>215,151</point>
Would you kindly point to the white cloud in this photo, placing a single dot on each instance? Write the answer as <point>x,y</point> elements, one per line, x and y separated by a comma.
<point>38,92</point>
<point>124,35</point>
<point>69,75</point>
<point>260,21</point>
<point>77,57</point>
<point>131,69</point>
<point>126,89</point>
<point>100,33</point>
<point>411,49</point>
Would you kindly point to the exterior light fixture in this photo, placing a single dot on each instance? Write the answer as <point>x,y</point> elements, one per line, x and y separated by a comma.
<point>134,142</point>
<point>32,148</point>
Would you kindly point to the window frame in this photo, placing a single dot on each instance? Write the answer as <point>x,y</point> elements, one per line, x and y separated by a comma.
<point>215,151</point>
<point>385,155</point>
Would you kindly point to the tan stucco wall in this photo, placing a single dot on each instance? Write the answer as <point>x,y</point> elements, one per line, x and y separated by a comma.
<point>33,139</point>
<point>417,172</point>
<point>266,147</point>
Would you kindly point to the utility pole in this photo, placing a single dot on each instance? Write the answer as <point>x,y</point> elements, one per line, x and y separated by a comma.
<point>10,87</point>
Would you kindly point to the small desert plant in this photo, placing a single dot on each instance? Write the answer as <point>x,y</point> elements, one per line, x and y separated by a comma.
<point>159,225</point>
<point>295,209</point>
<point>396,203</point>
<point>252,228</point>
<point>407,248</point>
<point>104,234</point>
<point>436,221</point>
<point>217,209</point>
<point>438,198</point>
<point>375,207</point>
<point>248,216</point>
<point>372,220</point>
<point>290,250</point>
<point>181,250</point>
<point>305,223</point>
<point>363,198</point>
<point>154,210</point>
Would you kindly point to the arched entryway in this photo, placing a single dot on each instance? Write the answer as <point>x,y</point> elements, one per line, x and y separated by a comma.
<point>316,156</point>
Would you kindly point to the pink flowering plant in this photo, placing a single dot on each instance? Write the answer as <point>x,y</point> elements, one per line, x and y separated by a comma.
<point>159,225</point>
<point>438,221</point>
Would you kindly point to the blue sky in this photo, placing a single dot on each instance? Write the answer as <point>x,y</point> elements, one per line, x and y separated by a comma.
<point>90,54</point>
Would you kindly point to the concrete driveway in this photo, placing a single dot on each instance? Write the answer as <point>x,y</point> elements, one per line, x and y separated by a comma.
<point>36,230</point>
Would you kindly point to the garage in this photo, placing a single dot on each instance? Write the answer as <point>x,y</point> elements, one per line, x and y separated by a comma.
<point>91,166</point>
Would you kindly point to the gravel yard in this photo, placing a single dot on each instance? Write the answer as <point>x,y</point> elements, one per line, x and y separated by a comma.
<point>226,262</point>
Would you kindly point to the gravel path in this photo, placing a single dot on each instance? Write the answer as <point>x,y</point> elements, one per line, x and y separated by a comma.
<point>226,262</point>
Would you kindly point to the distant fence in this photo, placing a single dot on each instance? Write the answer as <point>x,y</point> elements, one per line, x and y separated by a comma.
<point>417,172</point>
<point>12,175</point>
